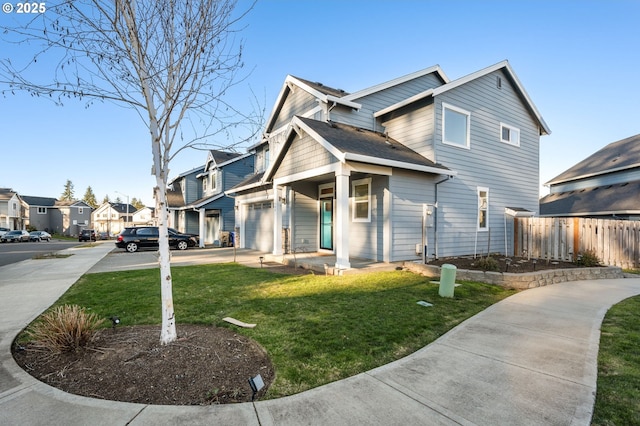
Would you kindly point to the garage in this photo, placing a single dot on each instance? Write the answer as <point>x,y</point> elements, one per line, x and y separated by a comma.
<point>259,226</point>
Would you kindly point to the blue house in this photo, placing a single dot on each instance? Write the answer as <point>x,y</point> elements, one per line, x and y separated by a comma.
<point>197,200</point>
<point>414,168</point>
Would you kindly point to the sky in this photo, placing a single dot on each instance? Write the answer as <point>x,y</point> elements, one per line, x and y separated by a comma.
<point>579,61</point>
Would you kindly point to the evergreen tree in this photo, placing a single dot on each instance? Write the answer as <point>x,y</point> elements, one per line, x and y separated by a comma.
<point>138,204</point>
<point>90,197</point>
<point>106,199</point>
<point>68,193</point>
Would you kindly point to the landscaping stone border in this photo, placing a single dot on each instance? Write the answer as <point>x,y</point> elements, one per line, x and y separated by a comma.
<point>525,280</point>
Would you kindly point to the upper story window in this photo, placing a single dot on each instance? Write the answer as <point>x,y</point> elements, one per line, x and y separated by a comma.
<point>361,200</point>
<point>80,210</point>
<point>266,159</point>
<point>42,210</point>
<point>205,181</point>
<point>456,126</point>
<point>214,180</point>
<point>509,134</point>
<point>483,209</point>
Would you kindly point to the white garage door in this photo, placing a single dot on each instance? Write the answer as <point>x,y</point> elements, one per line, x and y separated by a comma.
<point>259,226</point>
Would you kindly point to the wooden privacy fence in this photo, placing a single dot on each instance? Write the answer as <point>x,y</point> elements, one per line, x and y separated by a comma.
<point>615,242</point>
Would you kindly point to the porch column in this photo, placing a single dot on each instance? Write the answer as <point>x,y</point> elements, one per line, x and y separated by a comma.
<point>277,221</point>
<point>201,230</point>
<point>342,219</point>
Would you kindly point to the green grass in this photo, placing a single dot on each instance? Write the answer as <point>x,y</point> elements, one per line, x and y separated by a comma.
<point>316,329</point>
<point>618,394</point>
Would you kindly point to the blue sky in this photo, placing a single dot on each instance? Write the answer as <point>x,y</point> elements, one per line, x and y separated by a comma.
<point>578,60</point>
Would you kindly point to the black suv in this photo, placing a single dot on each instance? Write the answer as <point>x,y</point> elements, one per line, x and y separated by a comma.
<point>131,239</point>
<point>87,235</point>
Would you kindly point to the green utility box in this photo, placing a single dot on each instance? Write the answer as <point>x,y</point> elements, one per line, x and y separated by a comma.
<point>447,280</point>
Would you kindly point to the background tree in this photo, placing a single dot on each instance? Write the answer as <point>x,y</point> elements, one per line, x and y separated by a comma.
<point>68,193</point>
<point>90,197</point>
<point>106,199</point>
<point>138,204</point>
<point>171,61</point>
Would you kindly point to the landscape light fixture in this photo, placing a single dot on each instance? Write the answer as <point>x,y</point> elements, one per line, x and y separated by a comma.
<point>114,321</point>
<point>256,384</point>
<point>261,260</point>
<point>534,261</point>
<point>508,262</point>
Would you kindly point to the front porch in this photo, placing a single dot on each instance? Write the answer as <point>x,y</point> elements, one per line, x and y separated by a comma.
<point>323,263</point>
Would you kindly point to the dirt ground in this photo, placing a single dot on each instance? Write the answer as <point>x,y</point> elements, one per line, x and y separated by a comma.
<point>206,365</point>
<point>516,265</point>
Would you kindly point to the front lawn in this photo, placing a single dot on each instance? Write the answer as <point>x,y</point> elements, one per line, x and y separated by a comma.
<point>316,329</point>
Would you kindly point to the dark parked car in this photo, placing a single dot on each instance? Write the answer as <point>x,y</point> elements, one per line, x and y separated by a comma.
<point>13,236</point>
<point>132,239</point>
<point>87,235</point>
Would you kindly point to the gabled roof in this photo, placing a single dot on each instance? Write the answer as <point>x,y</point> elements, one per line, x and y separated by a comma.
<point>617,199</point>
<point>250,182</point>
<point>39,201</point>
<point>122,207</point>
<point>349,143</point>
<point>221,158</point>
<point>7,193</point>
<point>504,65</point>
<point>195,170</point>
<point>617,156</point>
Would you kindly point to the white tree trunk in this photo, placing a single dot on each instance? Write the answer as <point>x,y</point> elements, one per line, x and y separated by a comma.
<point>168,333</point>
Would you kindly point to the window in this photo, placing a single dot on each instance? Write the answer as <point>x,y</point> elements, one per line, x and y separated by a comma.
<point>214,180</point>
<point>483,209</point>
<point>204,183</point>
<point>266,159</point>
<point>80,210</point>
<point>361,200</point>
<point>509,134</point>
<point>42,210</point>
<point>455,126</point>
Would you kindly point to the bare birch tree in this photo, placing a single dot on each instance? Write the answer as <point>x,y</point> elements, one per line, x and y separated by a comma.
<point>171,61</point>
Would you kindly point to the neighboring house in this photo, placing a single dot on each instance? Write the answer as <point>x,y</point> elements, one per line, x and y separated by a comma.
<point>56,216</point>
<point>604,185</point>
<point>11,211</point>
<point>197,200</point>
<point>113,217</point>
<point>144,216</point>
<point>417,165</point>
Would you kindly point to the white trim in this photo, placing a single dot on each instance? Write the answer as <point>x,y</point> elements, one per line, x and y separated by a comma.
<point>329,168</point>
<point>44,210</point>
<point>458,110</point>
<point>366,181</point>
<point>486,209</point>
<point>399,164</point>
<point>512,130</point>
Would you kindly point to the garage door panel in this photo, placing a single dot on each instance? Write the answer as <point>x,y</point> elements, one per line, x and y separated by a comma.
<point>259,226</point>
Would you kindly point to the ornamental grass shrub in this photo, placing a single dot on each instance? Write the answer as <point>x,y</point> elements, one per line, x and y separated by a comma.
<point>65,328</point>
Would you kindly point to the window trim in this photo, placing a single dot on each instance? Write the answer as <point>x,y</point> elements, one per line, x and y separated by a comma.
<point>42,210</point>
<point>446,106</point>
<point>359,182</point>
<point>512,130</point>
<point>480,189</point>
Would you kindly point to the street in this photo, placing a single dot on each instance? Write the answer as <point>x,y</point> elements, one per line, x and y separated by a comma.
<point>16,252</point>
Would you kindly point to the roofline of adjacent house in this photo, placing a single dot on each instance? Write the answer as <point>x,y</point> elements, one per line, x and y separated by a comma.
<point>399,80</point>
<point>555,181</point>
<point>236,190</point>
<point>597,213</point>
<point>183,174</point>
<point>466,79</point>
<point>232,160</point>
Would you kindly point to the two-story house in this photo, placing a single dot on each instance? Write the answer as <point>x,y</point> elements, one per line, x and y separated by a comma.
<point>606,184</point>
<point>56,216</point>
<point>415,167</point>
<point>11,211</point>
<point>112,218</point>
<point>197,200</point>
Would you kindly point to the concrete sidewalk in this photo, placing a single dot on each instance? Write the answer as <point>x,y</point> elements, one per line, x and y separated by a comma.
<point>528,360</point>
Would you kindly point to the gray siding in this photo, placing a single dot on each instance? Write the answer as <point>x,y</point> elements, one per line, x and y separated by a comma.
<point>40,222</point>
<point>510,172</point>
<point>382,99</point>
<point>366,238</point>
<point>304,234</point>
<point>414,129</point>
<point>410,191</point>
<point>297,103</point>
<point>304,154</point>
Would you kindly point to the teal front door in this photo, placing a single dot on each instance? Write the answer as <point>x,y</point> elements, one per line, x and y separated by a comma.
<point>326,223</point>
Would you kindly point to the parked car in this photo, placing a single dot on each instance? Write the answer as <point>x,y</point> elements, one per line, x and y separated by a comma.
<point>132,239</point>
<point>104,235</point>
<point>13,236</point>
<point>39,236</point>
<point>87,235</point>
<point>4,231</point>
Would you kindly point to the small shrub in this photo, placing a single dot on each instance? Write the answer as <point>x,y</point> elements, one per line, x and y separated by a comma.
<point>64,329</point>
<point>588,259</point>
<point>488,264</point>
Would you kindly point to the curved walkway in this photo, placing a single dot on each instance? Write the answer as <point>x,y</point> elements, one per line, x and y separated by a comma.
<point>528,360</point>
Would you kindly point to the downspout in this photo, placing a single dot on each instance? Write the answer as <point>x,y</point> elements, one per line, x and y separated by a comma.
<point>435,221</point>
